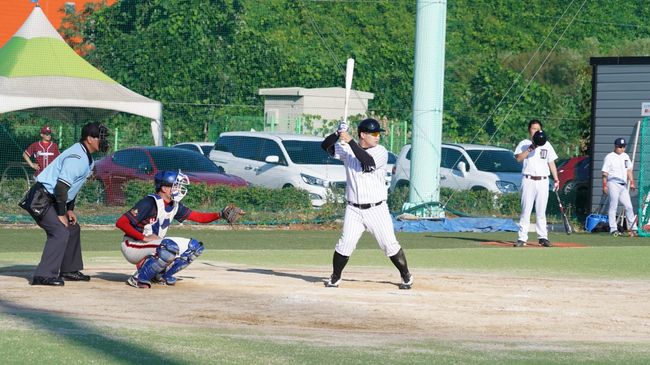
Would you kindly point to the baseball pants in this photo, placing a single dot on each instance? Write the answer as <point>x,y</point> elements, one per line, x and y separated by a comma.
<point>618,192</point>
<point>62,251</point>
<point>376,220</point>
<point>533,192</point>
<point>135,251</point>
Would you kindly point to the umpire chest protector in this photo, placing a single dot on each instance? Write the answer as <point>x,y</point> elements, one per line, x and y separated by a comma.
<point>164,217</point>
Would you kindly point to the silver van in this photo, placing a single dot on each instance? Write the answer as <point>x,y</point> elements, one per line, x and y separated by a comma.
<point>280,160</point>
<point>467,167</point>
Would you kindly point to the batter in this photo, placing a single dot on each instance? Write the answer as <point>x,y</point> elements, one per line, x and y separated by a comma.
<point>366,194</point>
<point>617,171</point>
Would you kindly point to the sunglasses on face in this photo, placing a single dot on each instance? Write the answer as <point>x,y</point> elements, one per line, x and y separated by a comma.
<point>374,134</point>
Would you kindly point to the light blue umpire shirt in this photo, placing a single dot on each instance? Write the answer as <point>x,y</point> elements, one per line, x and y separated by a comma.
<point>72,167</point>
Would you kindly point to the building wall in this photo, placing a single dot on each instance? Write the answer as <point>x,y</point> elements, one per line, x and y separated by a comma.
<point>13,14</point>
<point>620,85</point>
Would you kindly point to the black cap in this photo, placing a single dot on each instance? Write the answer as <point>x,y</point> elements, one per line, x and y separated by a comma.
<point>620,142</point>
<point>370,125</point>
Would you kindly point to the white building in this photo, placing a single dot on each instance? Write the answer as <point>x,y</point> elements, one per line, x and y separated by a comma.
<point>285,108</point>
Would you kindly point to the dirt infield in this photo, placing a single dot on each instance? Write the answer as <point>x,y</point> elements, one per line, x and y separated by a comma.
<point>368,305</point>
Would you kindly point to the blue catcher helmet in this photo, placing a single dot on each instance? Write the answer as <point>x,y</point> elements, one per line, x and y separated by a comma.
<point>176,179</point>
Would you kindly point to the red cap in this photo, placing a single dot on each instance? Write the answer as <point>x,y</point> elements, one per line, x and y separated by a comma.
<point>46,130</point>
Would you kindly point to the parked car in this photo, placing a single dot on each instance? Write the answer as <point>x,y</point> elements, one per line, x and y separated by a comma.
<point>142,163</point>
<point>467,167</point>
<point>573,173</point>
<point>390,167</point>
<point>203,148</point>
<point>278,160</point>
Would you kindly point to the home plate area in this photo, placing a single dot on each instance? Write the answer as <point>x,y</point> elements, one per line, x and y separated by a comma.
<point>533,244</point>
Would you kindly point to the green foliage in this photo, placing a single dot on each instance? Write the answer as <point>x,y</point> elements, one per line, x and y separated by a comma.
<point>215,197</point>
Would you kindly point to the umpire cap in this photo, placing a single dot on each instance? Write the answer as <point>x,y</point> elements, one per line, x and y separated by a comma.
<point>539,138</point>
<point>369,126</point>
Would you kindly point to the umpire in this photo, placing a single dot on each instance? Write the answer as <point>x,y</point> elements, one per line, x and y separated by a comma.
<point>62,180</point>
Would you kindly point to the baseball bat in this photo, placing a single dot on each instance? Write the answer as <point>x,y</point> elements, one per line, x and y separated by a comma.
<point>349,71</point>
<point>565,220</point>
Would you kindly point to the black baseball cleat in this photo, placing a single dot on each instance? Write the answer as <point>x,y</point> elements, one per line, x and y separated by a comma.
<point>333,282</point>
<point>544,242</point>
<point>39,280</point>
<point>519,243</point>
<point>74,276</point>
<point>407,282</point>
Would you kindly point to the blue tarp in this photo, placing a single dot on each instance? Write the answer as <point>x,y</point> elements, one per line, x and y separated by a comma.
<point>457,225</point>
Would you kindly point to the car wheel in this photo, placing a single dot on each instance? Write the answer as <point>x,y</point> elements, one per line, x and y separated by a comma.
<point>478,188</point>
<point>568,187</point>
<point>287,186</point>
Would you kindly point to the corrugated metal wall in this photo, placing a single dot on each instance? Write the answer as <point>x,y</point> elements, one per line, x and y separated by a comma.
<point>620,85</point>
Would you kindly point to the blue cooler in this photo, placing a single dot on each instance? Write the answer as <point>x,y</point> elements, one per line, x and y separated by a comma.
<point>594,219</point>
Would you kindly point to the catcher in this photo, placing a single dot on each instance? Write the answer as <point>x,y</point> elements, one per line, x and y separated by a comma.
<point>157,257</point>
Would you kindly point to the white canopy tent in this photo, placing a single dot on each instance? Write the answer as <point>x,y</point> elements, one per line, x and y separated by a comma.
<point>39,72</point>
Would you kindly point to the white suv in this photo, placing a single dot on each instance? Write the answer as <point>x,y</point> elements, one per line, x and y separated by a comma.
<point>467,167</point>
<point>278,160</point>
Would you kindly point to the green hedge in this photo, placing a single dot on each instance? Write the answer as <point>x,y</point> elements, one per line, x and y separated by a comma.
<point>274,206</point>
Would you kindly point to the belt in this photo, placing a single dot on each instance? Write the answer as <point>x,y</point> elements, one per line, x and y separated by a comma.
<point>536,177</point>
<point>365,206</point>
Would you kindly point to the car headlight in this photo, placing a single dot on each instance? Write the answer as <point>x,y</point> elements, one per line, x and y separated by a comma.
<point>506,186</point>
<point>312,180</point>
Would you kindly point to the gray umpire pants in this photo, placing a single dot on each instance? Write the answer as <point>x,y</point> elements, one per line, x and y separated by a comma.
<point>62,251</point>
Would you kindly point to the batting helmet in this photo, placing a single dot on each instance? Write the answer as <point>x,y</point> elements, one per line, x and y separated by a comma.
<point>539,138</point>
<point>177,180</point>
<point>369,126</point>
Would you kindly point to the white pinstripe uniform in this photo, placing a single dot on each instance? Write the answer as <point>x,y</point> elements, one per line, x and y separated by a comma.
<point>616,166</point>
<point>369,189</point>
<point>534,187</point>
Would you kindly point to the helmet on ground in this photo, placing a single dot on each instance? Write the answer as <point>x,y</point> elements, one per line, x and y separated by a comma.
<point>369,126</point>
<point>176,179</point>
<point>539,138</point>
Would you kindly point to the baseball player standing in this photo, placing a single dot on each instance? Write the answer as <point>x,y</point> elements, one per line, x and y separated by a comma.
<point>43,151</point>
<point>617,172</point>
<point>538,158</point>
<point>365,192</point>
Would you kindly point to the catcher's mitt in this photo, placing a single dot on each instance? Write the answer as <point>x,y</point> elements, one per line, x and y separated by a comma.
<point>231,213</point>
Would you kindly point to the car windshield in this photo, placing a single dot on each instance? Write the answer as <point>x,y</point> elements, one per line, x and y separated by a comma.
<point>308,153</point>
<point>187,161</point>
<point>495,160</point>
<point>206,149</point>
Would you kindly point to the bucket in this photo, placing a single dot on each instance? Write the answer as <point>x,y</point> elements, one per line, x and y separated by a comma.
<point>594,219</point>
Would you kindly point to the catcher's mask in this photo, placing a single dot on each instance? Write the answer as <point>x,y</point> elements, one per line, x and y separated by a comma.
<point>96,130</point>
<point>177,180</point>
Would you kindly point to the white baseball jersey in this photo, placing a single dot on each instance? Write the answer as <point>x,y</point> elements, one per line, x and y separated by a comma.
<point>616,166</point>
<point>366,188</point>
<point>536,164</point>
<point>363,187</point>
<point>534,193</point>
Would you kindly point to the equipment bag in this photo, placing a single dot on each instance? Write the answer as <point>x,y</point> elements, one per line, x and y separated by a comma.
<point>37,201</point>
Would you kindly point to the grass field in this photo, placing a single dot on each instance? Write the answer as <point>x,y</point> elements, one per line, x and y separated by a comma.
<point>43,325</point>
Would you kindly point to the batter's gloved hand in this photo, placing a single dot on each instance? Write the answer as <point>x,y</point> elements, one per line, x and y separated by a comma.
<point>232,213</point>
<point>343,127</point>
<point>531,147</point>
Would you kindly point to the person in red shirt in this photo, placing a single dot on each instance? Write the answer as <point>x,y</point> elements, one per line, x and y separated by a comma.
<point>43,151</point>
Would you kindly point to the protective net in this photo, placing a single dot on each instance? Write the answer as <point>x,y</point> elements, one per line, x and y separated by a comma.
<point>644,180</point>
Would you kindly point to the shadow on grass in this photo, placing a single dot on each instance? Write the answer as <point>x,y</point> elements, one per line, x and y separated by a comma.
<point>18,271</point>
<point>78,333</point>
<point>461,238</point>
